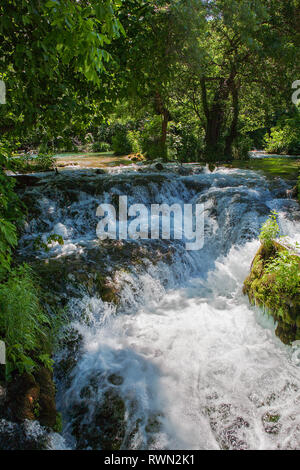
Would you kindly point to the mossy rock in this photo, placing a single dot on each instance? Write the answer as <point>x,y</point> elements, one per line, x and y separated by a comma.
<point>106,289</point>
<point>259,286</point>
<point>106,427</point>
<point>47,407</point>
<point>32,397</point>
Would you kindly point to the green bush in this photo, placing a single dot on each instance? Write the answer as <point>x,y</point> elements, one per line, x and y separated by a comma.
<point>134,138</point>
<point>241,147</point>
<point>23,323</point>
<point>101,147</point>
<point>120,143</point>
<point>285,137</point>
<point>151,139</point>
<point>11,214</point>
<point>183,144</point>
<point>270,230</point>
<point>44,162</point>
<point>285,268</point>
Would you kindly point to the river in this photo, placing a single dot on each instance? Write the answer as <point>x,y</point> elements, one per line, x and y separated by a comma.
<point>180,360</point>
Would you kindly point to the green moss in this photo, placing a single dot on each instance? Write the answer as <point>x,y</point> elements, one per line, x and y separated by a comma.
<point>273,284</point>
<point>58,425</point>
<point>286,168</point>
<point>106,289</point>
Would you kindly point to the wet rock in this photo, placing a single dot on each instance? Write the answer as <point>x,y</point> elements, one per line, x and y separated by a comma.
<point>22,398</point>
<point>47,407</point>
<point>106,289</point>
<point>159,167</point>
<point>32,397</point>
<point>106,426</point>
<point>115,379</point>
<point>71,346</point>
<point>181,170</point>
<point>232,435</point>
<point>2,400</point>
<point>26,436</point>
<point>153,424</point>
<point>292,193</point>
<point>271,423</point>
<point>26,180</point>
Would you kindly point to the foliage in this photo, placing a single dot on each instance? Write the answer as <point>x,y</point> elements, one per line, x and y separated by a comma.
<point>183,143</point>
<point>23,324</point>
<point>274,284</point>
<point>53,238</point>
<point>150,139</point>
<point>101,147</point>
<point>50,53</point>
<point>285,136</point>
<point>120,142</point>
<point>134,138</point>
<point>41,162</point>
<point>10,212</point>
<point>270,230</point>
<point>285,268</point>
<point>241,147</point>
<point>44,162</point>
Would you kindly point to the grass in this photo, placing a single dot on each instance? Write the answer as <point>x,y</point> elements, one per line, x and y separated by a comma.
<point>287,168</point>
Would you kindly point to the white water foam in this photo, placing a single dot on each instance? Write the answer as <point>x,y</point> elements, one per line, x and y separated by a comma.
<point>204,363</point>
<point>201,368</point>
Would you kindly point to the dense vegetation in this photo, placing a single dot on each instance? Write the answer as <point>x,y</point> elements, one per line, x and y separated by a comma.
<point>185,79</point>
<point>274,281</point>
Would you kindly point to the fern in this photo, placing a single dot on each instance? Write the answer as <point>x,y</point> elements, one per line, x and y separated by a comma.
<point>23,323</point>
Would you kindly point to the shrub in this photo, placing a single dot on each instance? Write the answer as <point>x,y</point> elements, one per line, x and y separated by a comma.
<point>241,147</point>
<point>151,139</point>
<point>8,240</point>
<point>270,230</point>
<point>11,213</point>
<point>120,143</point>
<point>184,145</point>
<point>134,139</point>
<point>23,322</point>
<point>101,147</point>
<point>285,137</point>
<point>285,267</point>
<point>44,162</point>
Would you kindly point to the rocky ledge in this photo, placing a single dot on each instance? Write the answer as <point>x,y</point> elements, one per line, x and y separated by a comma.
<point>260,286</point>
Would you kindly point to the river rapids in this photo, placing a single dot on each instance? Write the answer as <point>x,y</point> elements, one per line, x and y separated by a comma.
<point>180,360</point>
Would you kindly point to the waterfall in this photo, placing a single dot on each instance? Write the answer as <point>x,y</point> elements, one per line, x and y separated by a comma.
<point>181,361</point>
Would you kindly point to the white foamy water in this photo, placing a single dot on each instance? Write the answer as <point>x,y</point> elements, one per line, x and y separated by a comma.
<point>204,362</point>
<point>196,366</point>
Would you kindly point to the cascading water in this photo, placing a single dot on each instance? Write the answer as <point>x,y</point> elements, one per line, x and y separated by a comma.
<point>181,361</point>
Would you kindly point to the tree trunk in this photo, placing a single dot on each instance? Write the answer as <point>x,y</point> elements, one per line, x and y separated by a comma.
<point>213,131</point>
<point>161,109</point>
<point>233,128</point>
<point>214,147</point>
<point>164,128</point>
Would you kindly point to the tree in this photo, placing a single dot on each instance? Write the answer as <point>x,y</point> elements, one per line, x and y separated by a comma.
<point>230,45</point>
<point>49,51</point>
<point>146,59</point>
